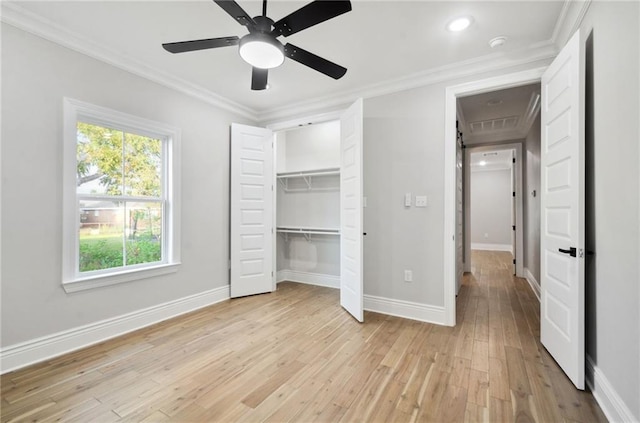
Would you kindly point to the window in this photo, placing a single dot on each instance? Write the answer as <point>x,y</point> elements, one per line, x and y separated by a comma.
<point>121,206</point>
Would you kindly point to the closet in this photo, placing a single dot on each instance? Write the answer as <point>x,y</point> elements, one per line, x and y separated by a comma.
<point>308,204</point>
<point>296,206</point>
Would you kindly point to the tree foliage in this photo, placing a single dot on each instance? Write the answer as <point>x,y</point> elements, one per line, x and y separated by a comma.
<point>123,163</point>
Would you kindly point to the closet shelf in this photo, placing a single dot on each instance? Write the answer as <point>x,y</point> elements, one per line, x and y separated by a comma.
<point>307,176</point>
<point>307,232</point>
<point>312,172</point>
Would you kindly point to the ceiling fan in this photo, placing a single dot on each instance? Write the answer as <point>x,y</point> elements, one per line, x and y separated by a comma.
<point>261,48</point>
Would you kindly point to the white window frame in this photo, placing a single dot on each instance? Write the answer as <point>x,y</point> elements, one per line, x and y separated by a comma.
<point>73,280</point>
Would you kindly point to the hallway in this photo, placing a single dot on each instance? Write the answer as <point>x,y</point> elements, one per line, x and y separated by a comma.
<point>499,313</point>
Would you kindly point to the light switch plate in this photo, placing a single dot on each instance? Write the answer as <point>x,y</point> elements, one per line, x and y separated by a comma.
<point>407,199</point>
<point>421,201</point>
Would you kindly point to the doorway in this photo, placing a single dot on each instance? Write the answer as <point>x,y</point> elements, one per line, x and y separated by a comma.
<point>454,93</point>
<point>492,206</point>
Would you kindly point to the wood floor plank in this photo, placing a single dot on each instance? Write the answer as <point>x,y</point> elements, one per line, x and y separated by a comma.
<point>518,379</point>
<point>499,377</point>
<point>296,355</point>
<point>478,392</point>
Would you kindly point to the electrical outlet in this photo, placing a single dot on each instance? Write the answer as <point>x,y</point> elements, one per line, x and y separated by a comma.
<point>408,276</point>
<point>421,201</point>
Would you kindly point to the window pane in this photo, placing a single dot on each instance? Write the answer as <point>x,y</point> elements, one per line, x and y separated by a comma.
<point>99,160</point>
<point>101,235</point>
<point>144,232</point>
<point>142,166</point>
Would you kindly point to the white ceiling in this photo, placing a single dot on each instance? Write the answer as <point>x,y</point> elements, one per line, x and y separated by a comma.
<point>499,115</point>
<point>380,42</point>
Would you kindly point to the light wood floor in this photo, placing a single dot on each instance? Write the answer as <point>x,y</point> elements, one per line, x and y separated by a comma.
<point>295,355</point>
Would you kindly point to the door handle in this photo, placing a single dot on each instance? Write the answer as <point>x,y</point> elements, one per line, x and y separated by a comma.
<point>571,251</point>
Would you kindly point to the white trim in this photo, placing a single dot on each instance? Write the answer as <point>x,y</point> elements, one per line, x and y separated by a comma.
<point>541,54</point>
<point>21,18</point>
<point>405,309</point>
<point>75,110</point>
<point>329,281</point>
<point>608,399</point>
<point>533,283</point>
<point>451,95</point>
<point>491,247</point>
<point>305,120</point>
<point>98,281</point>
<point>40,349</point>
<point>35,24</point>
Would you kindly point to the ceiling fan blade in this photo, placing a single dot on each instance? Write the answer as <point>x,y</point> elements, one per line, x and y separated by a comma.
<point>259,79</point>
<point>184,46</point>
<point>236,12</point>
<point>314,62</point>
<point>312,14</point>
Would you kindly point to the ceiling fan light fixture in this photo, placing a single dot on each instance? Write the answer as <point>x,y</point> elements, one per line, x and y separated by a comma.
<point>261,51</point>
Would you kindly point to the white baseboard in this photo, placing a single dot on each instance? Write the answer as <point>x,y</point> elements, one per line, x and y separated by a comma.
<point>36,350</point>
<point>608,399</point>
<point>329,281</point>
<point>492,247</point>
<point>406,309</point>
<point>533,283</point>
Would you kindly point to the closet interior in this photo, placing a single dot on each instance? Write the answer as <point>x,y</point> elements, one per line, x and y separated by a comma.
<point>307,217</point>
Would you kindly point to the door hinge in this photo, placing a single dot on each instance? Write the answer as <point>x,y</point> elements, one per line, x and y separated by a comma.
<point>514,160</point>
<point>514,193</point>
<point>514,227</point>
<point>229,264</point>
<point>514,261</point>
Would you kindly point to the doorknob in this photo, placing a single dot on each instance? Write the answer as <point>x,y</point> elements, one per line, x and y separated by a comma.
<point>571,251</point>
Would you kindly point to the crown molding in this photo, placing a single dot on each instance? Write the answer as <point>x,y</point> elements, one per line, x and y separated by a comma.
<point>539,55</point>
<point>17,16</point>
<point>569,20</point>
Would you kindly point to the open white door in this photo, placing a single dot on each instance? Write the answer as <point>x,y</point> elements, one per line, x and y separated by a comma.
<point>513,209</point>
<point>459,216</point>
<point>251,210</point>
<point>562,217</point>
<point>351,282</point>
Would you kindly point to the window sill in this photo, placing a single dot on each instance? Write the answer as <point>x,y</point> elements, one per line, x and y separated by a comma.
<point>83,284</point>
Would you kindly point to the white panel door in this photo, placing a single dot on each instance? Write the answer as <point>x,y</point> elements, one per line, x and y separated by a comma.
<point>513,209</point>
<point>251,210</point>
<point>351,282</point>
<point>562,216</point>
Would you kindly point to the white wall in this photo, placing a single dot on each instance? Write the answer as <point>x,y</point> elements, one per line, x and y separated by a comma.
<point>613,134</point>
<point>491,198</point>
<point>36,75</point>
<point>307,148</point>
<point>310,147</point>
<point>404,152</point>
<point>531,202</point>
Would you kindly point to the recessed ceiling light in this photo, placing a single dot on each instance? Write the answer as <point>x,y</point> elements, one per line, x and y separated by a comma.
<point>459,24</point>
<point>498,41</point>
<point>482,163</point>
